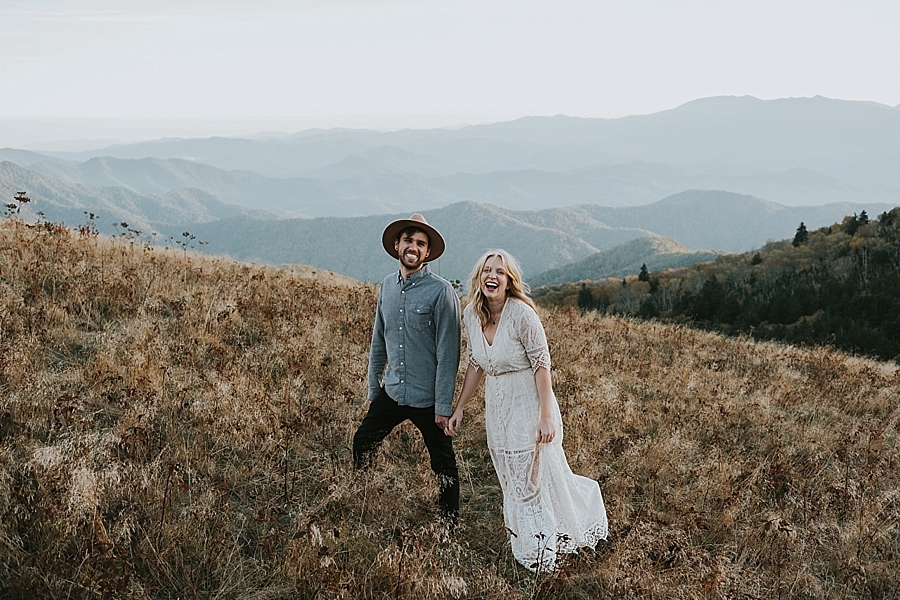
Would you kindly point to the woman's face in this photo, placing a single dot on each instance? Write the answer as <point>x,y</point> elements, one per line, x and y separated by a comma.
<point>494,279</point>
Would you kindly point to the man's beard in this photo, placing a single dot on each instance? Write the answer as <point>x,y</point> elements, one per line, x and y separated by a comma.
<point>412,267</point>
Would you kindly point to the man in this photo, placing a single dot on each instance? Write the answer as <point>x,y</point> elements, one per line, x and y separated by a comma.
<point>414,356</point>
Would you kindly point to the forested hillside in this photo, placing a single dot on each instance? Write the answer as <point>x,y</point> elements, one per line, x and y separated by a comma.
<point>837,285</point>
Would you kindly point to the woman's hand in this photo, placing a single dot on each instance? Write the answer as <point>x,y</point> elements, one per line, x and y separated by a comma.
<point>454,423</point>
<point>545,431</point>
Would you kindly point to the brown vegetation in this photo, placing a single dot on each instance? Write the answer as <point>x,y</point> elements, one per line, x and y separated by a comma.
<point>178,426</point>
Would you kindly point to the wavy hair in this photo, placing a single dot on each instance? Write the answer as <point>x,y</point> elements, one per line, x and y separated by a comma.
<point>515,287</point>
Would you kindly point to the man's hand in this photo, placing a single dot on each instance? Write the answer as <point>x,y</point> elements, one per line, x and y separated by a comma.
<point>441,421</point>
<point>454,423</point>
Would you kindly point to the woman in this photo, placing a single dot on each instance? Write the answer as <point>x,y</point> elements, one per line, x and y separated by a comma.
<point>548,510</point>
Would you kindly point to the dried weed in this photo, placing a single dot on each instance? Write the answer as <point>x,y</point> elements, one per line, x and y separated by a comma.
<point>174,426</point>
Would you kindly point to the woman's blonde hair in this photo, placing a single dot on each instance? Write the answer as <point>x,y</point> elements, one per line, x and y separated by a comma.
<point>515,287</point>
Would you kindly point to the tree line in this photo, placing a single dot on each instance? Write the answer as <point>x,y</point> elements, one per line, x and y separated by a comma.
<point>838,285</point>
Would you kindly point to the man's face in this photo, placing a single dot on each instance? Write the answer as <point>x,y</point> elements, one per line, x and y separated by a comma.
<point>413,249</point>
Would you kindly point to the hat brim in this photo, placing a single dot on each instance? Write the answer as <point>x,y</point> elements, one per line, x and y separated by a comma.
<point>391,232</point>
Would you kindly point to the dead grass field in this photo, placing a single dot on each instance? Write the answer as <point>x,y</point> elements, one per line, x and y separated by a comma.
<point>175,426</point>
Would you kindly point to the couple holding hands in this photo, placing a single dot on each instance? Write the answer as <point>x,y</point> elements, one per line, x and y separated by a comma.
<point>413,362</point>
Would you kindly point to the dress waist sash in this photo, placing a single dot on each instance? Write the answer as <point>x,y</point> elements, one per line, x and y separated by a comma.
<point>510,372</point>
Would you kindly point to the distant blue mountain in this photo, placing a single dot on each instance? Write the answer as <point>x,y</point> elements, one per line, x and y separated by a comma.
<point>795,151</point>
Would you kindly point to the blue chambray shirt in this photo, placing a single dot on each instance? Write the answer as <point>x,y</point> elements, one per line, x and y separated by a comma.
<point>415,341</point>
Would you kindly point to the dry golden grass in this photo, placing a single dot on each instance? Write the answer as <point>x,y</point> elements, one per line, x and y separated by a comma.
<point>174,426</point>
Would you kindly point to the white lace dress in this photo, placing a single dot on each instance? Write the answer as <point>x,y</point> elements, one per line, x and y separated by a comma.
<point>548,510</point>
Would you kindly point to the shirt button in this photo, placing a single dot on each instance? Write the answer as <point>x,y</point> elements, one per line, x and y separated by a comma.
<point>401,310</point>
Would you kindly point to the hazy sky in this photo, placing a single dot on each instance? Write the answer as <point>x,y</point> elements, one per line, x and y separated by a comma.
<point>279,64</point>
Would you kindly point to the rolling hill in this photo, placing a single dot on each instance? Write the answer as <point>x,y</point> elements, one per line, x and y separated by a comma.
<point>64,202</point>
<point>149,176</point>
<point>657,253</point>
<point>352,246</point>
<point>542,240</point>
<point>383,180</point>
<point>545,239</point>
<point>718,220</point>
<point>385,160</point>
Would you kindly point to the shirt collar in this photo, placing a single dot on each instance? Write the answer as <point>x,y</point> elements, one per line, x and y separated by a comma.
<point>414,276</point>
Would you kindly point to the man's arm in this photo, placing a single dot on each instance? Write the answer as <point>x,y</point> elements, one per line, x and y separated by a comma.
<point>377,353</point>
<point>447,350</point>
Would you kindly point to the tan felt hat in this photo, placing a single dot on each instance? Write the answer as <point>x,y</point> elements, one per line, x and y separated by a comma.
<point>392,231</point>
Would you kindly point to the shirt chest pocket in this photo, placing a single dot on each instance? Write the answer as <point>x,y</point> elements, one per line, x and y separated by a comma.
<point>421,318</point>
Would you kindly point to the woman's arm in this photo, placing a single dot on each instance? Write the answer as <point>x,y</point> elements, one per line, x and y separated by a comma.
<point>473,378</point>
<point>534,341</point>
<point>545,430</point>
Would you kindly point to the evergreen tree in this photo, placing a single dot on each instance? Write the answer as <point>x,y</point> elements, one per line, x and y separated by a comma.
<point>585,298</point>
<point>644,275</point>
<point>802,235</point>
<point>709,299</point>
<point>888,229</point>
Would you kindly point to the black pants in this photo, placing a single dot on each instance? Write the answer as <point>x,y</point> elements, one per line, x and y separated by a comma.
<point>385,414</point>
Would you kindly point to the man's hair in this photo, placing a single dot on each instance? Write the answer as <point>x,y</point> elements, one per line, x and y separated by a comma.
<point>411,230</point>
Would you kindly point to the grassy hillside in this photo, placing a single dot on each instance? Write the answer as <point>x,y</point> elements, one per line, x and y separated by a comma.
<point>174,426</point>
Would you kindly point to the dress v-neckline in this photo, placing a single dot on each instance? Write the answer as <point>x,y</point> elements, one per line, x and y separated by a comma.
<point>499,322</point>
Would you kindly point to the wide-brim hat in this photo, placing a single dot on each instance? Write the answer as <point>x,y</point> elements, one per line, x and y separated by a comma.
<point>392,231</point>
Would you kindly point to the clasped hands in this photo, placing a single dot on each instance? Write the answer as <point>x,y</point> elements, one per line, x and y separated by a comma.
<point>544,432</point>
<point>452,423</point>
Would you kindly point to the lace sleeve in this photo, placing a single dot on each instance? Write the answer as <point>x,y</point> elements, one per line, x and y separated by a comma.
<point>468,322</point>
<point>469,356</point>
<point>531,334</point>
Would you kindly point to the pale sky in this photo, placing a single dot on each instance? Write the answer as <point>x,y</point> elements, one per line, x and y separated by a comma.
<point>177,67</point>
